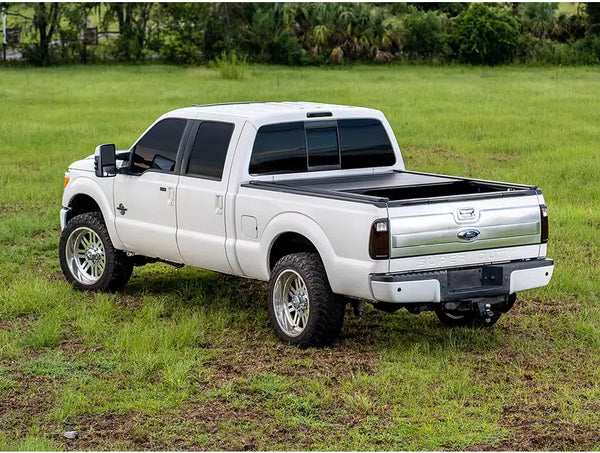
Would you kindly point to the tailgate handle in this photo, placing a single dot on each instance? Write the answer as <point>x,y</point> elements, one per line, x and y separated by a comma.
<point>466,213</point>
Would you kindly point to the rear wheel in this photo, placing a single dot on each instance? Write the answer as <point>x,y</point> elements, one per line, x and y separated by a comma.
<point>87,257</point>
<point>303,309</point>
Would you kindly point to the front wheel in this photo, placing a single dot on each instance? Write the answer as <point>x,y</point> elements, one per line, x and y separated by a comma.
<point>87,257</point>
<point>303,309</point>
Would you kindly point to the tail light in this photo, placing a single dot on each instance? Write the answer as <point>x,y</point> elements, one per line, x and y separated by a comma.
<point>379,242</point>
<point>544,217</point>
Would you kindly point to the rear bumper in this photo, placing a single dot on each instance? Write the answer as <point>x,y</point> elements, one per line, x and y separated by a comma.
<point>463,283</point>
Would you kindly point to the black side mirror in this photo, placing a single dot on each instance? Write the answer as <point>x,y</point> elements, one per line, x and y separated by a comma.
<point>105,160</point>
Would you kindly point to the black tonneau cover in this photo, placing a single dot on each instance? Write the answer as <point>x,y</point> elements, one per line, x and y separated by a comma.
<point>397,188</point>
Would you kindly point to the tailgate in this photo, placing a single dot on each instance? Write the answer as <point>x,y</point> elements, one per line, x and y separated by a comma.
<point>463,226</point>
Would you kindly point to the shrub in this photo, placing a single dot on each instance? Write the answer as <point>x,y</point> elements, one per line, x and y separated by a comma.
<point>286,49</point>
<point>180,51</point>
<point>337,56</point>
<point>588,49</point>
<point>424,34</point>
<point>486,35</point>
<point>230,66</point>
<point>544,51</point>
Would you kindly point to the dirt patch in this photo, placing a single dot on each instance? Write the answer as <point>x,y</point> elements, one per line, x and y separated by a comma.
<point>550,307</point>
<point>14,208</point>
<point>503,158</point>
<point>103,432</point>
<point>542,414</point>
<point>16,324</point>
<point>54,275</point>
<point>26,404</point>
<point>431,155</point>
<point>538,426</point>
<point>208,425</point>
<point>264,357</point>
<point>7,325</point>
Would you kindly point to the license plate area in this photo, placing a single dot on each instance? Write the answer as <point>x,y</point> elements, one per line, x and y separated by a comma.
<point>462,280</point>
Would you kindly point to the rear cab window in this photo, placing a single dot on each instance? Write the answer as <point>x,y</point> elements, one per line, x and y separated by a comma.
<point>306,146</point>
<point>279,148</point>
<point>322,146</point>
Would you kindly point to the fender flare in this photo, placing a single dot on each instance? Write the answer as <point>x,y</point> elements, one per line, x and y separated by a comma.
<point>296,222</point>
<point>89,187</point>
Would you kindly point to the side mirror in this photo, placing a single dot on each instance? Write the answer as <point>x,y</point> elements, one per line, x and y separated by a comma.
<point>105,160</point>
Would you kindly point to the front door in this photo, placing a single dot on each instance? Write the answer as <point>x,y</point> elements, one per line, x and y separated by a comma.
<point>145,198</point>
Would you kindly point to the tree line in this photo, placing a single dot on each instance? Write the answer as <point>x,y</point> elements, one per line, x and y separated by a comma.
<point>307,33</point>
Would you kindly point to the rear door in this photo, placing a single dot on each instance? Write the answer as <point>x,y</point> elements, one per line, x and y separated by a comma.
<point>144,199</point>
<point>201,194</point>
<point>463,233</point>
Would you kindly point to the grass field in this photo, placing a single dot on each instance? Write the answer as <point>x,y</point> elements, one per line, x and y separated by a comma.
<point>185,359</point>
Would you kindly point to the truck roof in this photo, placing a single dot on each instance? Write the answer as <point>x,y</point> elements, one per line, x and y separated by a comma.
<point>260,113</point>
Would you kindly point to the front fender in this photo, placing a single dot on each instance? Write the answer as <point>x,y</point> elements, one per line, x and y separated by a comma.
<point>101,191</point>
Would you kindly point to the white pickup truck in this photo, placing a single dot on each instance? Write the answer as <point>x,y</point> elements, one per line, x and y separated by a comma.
<point>313,198</point>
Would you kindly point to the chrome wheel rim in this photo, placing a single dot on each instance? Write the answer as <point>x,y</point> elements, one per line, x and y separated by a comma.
<point>291,302</point>
<point>86,256</point>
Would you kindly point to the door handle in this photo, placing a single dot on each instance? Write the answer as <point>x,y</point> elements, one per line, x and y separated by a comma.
<point>170,196</point>
<point>163,189</point>
<point>219,204</point>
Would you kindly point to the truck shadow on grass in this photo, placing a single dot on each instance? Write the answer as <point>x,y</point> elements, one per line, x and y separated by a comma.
<point>244,303</point>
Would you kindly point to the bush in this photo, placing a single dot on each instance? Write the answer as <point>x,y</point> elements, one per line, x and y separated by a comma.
<point>286,49</point>
<point>544,51</point>
<point>336,56</point>
<point>588,49</point>
<point>180,51</point>
<point>424,35</point>
<point>486,35</point>
<point>230,66</point>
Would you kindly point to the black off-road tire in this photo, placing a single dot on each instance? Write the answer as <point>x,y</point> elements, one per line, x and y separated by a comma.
<point>118,267</point>
<point>468,319</point>
<point>326,309</point>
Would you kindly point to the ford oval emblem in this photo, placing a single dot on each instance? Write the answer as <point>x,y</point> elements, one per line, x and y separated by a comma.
<point>469,235</point>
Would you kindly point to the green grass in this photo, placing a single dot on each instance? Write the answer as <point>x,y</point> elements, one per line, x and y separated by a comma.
<point>185,359</point>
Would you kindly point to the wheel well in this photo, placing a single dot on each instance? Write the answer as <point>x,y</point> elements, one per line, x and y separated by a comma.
<point>81,204</point>
<point>287,244</point>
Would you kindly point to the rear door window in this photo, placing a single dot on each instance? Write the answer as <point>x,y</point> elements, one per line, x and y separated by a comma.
<point>157,149</point>
<point>207,158</point>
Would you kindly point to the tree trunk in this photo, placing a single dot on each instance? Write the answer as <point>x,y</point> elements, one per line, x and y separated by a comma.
<point>45,22</point>
<point>141,29</point>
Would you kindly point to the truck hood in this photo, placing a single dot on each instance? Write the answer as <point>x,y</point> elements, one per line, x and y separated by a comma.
<point>85,164</point>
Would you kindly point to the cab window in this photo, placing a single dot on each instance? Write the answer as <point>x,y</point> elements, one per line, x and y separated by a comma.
<point>157,149</point>
<point>210,150</point>
<point>279,148</point>
<point>321,145</point>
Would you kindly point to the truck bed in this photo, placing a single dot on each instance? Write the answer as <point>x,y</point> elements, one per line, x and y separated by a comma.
<point>429,213</point>
<point>398,188</point>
